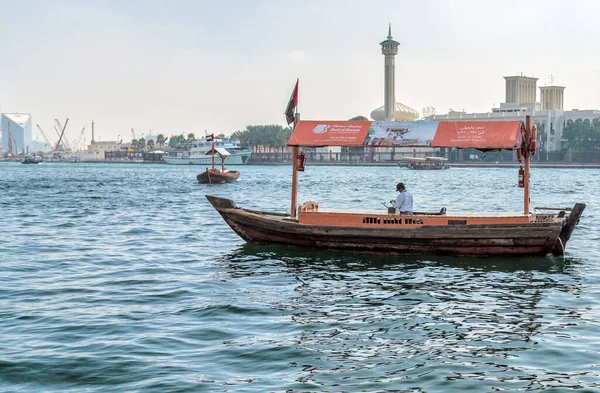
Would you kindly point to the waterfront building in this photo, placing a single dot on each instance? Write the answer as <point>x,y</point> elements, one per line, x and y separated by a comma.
<point>96,149</point>
<point>20,129</point>
<point>520,101</point>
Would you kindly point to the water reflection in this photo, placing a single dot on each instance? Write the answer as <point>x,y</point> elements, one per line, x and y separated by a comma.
<point>316,258</point>
<point>407,322</point>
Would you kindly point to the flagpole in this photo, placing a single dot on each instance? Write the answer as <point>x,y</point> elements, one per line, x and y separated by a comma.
<point>294,171</point>
<point>527,155</point>
<point>294,101</point>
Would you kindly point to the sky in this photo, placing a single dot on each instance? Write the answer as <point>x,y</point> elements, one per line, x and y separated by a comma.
<point>181,66</point>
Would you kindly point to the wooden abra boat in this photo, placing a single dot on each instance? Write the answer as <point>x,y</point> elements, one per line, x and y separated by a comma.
<point>424,233</point>
<point>218,176</point>
<point>539,232</point>
<point>215,176</point>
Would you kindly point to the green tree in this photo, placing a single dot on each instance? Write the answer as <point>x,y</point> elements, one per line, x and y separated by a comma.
<point>160,140</point>
<point>359,118</point>
<point>151,145</point>
<point>272,137</point>
<point>582,134</point>
<point>178,141</point>
<point>190,138</point>
<point>243,137</point>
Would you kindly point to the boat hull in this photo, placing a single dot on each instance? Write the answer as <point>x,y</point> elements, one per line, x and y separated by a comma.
<point>425,167</point>
<point>213,177</point>
<point>533,239</point>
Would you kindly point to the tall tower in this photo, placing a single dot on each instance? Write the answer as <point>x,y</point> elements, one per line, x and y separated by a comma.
<point>552,97</point>
<point>520,89</point>
<point>389,48</point>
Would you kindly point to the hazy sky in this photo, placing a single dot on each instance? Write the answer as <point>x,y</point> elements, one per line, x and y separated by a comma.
<point>184,66</point>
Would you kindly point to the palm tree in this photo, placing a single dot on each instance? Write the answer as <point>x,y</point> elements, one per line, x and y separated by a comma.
<point>151,145</point>
<point>160,140</point>
<point>142,144</point>
<point>190,138</point>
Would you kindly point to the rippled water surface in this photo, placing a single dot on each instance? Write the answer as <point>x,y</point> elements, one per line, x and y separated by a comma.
<point>122,278</point>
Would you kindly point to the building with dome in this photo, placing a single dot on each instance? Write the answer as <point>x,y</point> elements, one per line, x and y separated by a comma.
<point>392,110</point>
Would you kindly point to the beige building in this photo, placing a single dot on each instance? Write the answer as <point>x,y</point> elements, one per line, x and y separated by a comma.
<point>96,149</point>
<point>552,97</point>
<point>520,101</point>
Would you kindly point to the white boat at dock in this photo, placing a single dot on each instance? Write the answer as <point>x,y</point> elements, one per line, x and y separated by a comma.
<point>424,163</point>
<point>199,153</point>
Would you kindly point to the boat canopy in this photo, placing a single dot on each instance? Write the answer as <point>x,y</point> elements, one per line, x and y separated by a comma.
<point>218,150</point>
<point>483,135</point>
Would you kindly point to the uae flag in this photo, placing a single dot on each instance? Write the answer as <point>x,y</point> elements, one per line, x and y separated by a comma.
<point>210,138</point>
<point>291,106</point>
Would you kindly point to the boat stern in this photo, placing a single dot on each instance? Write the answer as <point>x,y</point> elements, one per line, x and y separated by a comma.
<point>565,234</point>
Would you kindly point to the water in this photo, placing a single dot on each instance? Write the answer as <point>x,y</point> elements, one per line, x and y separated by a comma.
<point>122,278</point>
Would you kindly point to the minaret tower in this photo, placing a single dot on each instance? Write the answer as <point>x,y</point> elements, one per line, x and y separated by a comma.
<point>389,48</point>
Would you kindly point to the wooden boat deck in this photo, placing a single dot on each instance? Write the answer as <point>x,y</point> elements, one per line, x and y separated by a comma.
<point>359,218</point>
<point>448,214</point>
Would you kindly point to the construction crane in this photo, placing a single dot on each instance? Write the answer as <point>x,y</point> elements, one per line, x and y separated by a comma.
<point>58,135</point>
<point>66,143</point>
<point>77,142</point>
<point>48,143</point>
<point>61,136</point>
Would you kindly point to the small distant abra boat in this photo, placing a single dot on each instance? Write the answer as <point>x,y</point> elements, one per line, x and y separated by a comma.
<point>425,163</point>
<point>214,176</point>
<point>218,176</point>
<point>32,160</point>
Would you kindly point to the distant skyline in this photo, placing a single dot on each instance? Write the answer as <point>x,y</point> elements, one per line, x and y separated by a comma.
<point>188,66</point>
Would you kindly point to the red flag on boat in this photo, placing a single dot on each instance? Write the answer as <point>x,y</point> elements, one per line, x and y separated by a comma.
<point>292,103</point>
<point>210,138</point>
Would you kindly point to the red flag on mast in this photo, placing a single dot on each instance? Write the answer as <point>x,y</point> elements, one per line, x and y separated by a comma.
<point>291,106</point>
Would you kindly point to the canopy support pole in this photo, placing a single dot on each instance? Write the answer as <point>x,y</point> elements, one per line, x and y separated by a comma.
<point>212,160</point>
<point>295,150</point>
<point>527,155</point>
<point>294,181</point>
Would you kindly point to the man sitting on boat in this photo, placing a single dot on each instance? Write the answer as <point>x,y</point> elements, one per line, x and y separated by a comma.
<point>404,200</point>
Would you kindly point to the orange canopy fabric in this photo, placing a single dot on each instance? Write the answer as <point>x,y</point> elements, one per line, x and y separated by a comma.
<point>311,133</point>
<point>477,134</point>
<point>485,135</point>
